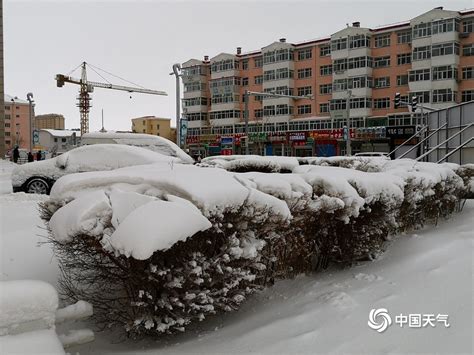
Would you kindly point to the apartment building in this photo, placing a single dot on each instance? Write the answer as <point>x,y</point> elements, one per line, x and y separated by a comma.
<point>17,123</point>
<point>155,126</point>
<point>49,121</point>
<point>430,57</point>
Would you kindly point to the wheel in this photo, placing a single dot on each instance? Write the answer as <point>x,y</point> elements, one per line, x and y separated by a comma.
<point>37,186</point>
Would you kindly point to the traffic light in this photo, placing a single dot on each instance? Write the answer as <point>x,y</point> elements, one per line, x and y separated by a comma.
<point>414,103</point>
<point>397,100</point>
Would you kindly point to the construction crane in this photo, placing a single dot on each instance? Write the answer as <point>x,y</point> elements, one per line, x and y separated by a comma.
<point>87,87</point>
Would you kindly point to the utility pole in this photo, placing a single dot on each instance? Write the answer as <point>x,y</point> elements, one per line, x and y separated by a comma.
<point>177,74</point>
<point>246,114</point>
<point>348,123</point>
<point>29,97</point>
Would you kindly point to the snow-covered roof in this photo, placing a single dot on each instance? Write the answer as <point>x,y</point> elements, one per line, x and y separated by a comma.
<point>15,99</point>
<point>60,132</point>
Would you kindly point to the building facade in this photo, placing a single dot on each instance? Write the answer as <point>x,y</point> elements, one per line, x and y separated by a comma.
<point>17,123</point>
<point>49,121</point>
<point>155,126</point>
<point>430,57</point>
<point>55,141</point>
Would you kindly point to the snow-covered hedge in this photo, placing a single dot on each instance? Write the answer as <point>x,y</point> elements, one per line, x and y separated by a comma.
<point>155,248</point>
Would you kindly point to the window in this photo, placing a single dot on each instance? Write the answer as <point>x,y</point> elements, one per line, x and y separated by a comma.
<point>7,134</point>
<point>225,98</point>
<point>258,62</point>
<point>194,86</point>
<point>325,89</point>
<point>339,65</point>
<point>258,113</point>
<point>259,79</point>
<point>359,62</point>
<point>402,80</point>
<point>422,30</point>
<point>304,54</point>
<point>467,95</point>
<point>468,25</point>
<point>221,115</point>
<point>444,49</point>
<point>195,101</point>
<point>63,140</point>
<point>324,50</point>
<point>325,70</point>
<point>444,72</point>
<point>157,126</point>
<point>337,104</point>
<point>380,62</point>
<point>404,58</point>
<point>468,50</point>
<point>7,125</point>
<point>269,75</point>
<point>223,65</point>
<point>419,75</point>
<point>383,82</point>
<point>245,81</point>
<point>382,40</point>
<point>443,26</point>
<point>359,41</point>
<point>404,37</point>
<point>304,109</point>
<point>305,91</point>
<point>339,85</point>
<point>304,73</point>
<point>269,110</point>
<point>7,108</point>
<point>468,73</point>
<point>423,96</point>
<point>420,53</point>
<point>198,116</point>
<point>224,82</point>
<point>382,103</point>
<point>324,108</point>
<point>360,102</point>
<point>55,140</point>
<point>284,110</point>
<point>444,95</point>
<point>245,64</point>
<point>283,73</point>
<point>193,71</point>
<point>7,117</point>
<point>338,44</point>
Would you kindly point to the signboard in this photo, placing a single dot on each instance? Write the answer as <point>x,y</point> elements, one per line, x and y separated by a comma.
<point>297,136</point>
<point>183,132</point>
<point>192,139</point>
<point>277,137</point>
<point>35,136</point>
<point>258,137</point>
<point>227,140</point>
<point>370,133</point>
<point>400,132</point>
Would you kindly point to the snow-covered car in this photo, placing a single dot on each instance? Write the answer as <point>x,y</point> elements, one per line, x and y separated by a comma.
<point>154,143</point>
<point>38,177</point>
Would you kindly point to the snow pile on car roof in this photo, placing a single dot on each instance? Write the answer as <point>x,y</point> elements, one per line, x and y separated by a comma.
<point>154,143</point>
<point>246,163</point>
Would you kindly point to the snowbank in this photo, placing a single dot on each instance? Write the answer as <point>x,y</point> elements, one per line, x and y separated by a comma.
<point>244,163</point>
<point>26,305</point>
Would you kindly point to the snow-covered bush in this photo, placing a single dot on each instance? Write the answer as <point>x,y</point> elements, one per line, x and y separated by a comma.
<point>251,163</point>
<point>156,248</point>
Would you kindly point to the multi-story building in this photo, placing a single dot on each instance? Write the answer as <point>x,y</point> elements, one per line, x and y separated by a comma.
<point>430,57</point>
<point>17,123</point>
<point>155,126</point>
<point>49,121</point>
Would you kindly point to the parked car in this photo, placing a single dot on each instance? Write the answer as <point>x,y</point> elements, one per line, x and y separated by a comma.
<point>373,155</point>
<point>39,176</point>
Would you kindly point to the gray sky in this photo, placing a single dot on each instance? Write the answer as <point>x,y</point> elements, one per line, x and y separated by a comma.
<point>140,40</point>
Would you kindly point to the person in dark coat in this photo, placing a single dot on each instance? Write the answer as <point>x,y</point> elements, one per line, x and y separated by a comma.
<point>30,157</point>
<point>39,155</point>
<point>16,154</point>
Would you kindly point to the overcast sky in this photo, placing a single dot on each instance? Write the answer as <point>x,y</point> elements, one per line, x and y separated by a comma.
<point>140,41</point>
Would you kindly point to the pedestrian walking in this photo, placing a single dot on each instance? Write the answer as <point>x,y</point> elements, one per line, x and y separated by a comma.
<point>39,156</point>
<point>16,155</point>
<point>30,157</point>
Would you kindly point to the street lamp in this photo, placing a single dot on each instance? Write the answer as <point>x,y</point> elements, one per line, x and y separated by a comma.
<point>176,73</point>
<point>29,97</point>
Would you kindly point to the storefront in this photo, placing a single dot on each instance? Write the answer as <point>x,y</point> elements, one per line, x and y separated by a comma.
<point>300,146</point>
<point>325,142</point>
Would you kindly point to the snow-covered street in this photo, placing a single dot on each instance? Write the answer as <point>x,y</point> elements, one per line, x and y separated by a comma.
<point>427,272</point>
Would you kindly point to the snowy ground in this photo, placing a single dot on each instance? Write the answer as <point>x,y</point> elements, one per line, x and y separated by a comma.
<point>429,272</point>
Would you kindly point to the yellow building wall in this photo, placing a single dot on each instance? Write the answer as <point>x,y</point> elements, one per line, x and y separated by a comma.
<point>154,126</point>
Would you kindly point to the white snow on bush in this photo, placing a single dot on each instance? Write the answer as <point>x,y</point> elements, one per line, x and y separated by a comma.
<point>35,342</point>
<point>156,225</point>
<point>78,310</point>
<point>232,162</point>
<point>26,305</point>
<point>142,202</point>
<point>81,216</point>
